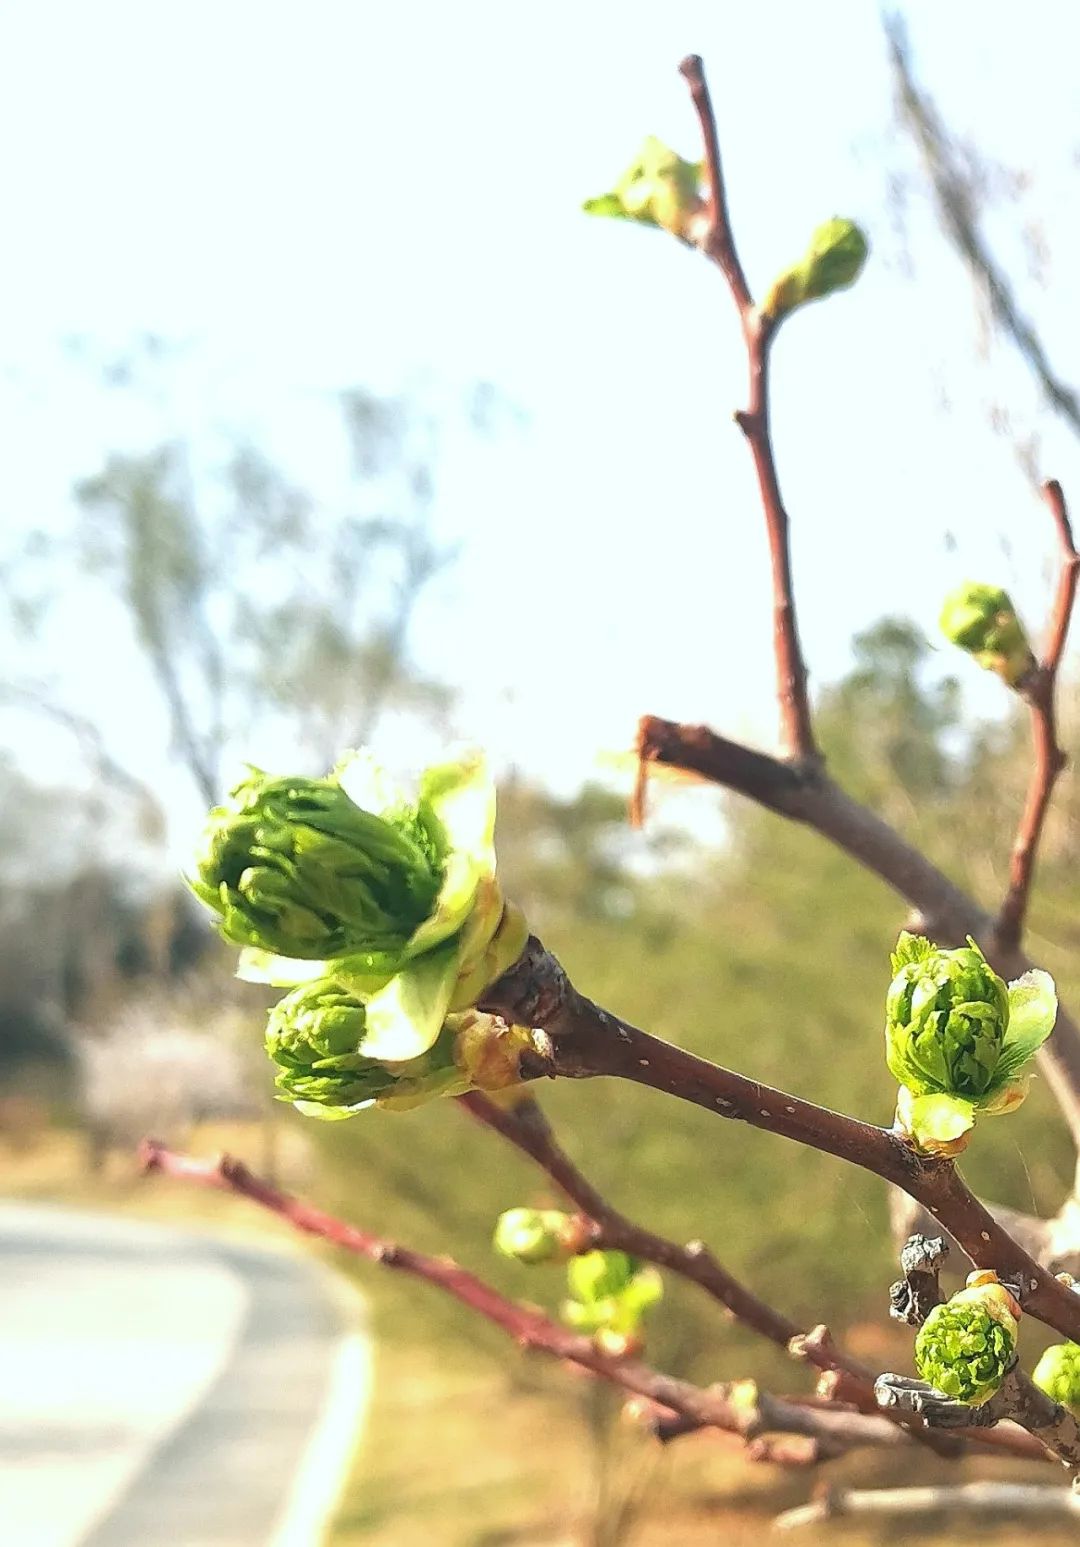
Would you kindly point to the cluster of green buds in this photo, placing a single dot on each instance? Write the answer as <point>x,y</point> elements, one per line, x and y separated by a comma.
<point>610,1293</point>
<point>983,621</point>
<point>659,189</point>
<point>833,261</point>
<point>1058,1374</point>
<point>966,1347</point>
<point>317,1037</point>
<point>959,1040</point>
<point>535,1236</point>
<point>380,909</point>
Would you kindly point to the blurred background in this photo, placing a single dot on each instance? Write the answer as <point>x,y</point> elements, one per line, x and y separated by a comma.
<point>329,419</point>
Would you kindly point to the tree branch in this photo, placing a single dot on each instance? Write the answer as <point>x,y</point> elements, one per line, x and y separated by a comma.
<point>998,1500</point>
<point>1050,759</point>
<point>739,1407</point>
<point>809,796</point>
<point>579,1040</point>
<point>527,1128</point>
<point>1018,1400</point>
<point>718,242</point>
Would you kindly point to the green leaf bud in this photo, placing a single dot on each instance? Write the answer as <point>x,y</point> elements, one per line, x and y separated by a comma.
<point>958,1039</point>
<point>1058,1374</point>
<point>833,261</point>
<point>982,620</point>
<point>946,1019</point>
<point>610,1293</point>
<point>294,866</point>
<point>598,1275</point>
<point>659,189</point>
<point>966,1347</point>
<point>318,1037</point>
<point>538,1235</point>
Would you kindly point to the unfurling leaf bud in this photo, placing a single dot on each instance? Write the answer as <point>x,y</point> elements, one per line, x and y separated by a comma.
<point>539,1235</point>
<point>1058,1374</point>
<point>391,893</point>
<point>610,1293</point>
<point>958,1039</point>
<point>659,188</point>
<point>833,261</point>
<point>318,1037</point>
<point>967,1346</point>
<point>982,620</point>
<point>295,867</point>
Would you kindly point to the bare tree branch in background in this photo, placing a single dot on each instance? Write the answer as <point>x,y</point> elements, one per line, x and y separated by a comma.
<point>957,200</point>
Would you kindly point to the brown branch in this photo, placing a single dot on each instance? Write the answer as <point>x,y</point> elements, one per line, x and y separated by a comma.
<point>739,1407</point>
<point>527,1128</point>
<point>718,243</point>
<point>809,796</point>
<point>1049,756</point>
<point>579,1040</point>
<point>1065,595</point>
<point>998,1500</point>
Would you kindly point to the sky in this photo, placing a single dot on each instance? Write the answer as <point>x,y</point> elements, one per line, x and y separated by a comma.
<point>301,198</point>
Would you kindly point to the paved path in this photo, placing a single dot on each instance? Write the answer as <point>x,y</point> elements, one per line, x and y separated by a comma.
<point>161,1389</point>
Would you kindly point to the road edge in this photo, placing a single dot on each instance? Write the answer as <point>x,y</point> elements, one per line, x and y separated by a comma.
<point>320,1477</point>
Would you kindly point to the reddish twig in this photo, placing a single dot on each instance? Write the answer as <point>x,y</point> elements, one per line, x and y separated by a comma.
<point>809,796</point>
<point>527,1128</point>
<point>1065,596</point>
<point>796,727</point>
<point>1049,756</point>
<point>580,1040</point>
<point>739,1408</point>
<point>719,240</point>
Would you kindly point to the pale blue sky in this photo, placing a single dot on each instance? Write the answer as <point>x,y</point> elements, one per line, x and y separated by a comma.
<point>309,196</point>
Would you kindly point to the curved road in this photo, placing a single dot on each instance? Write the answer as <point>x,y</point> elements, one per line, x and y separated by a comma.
<point>163,1389</point>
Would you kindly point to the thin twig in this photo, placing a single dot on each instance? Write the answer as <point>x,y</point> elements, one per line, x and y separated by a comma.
<point>578,1039</point>
<point>719,240</point>
<point>739,1407</point>
<point>998,1500</point>
<point>796,727</point>
<point>527,1128</point>
<point>1049,755</point>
